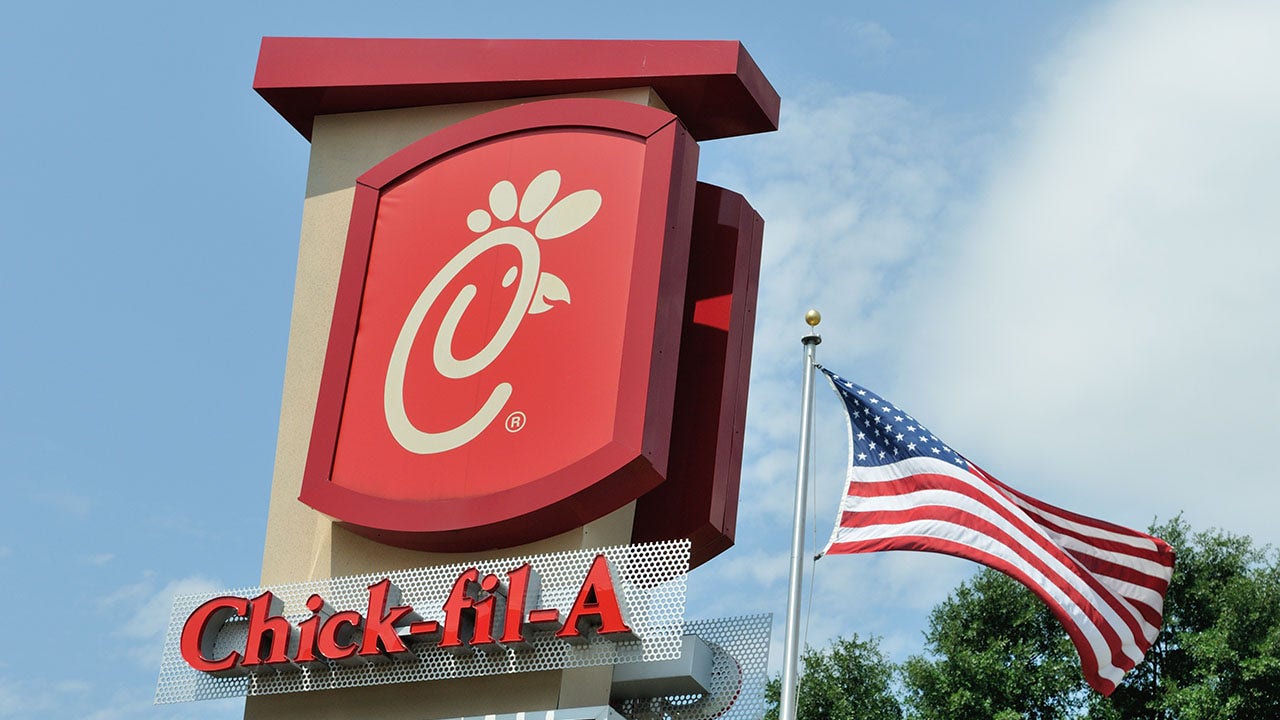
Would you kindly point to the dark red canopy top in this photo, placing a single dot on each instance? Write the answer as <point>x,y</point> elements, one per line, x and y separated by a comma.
<point>713,86</point>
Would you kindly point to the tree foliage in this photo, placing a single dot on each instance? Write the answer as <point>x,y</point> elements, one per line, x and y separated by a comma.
<point>993,650</point>
<point>997,653</point>
<point>1218,656</point>
<point>851,680</point>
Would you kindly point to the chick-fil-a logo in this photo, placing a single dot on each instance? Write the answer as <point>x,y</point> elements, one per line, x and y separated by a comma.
<point>535,292</point>
<point>467,400</point>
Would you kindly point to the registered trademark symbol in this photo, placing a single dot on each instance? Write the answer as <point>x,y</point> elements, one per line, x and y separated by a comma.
<point>515,421</point>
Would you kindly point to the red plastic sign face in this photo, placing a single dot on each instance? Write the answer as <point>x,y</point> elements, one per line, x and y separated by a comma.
<point>501,364</point>
<point>460,374</point>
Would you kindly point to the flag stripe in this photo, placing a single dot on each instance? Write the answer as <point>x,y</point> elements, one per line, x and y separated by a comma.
<point>1108,541</point>
<point>1139,567</point>
<point>1101,673</point>
<point>908,491</point>
<point>1139,564</point>
<point>1128,581</point>
<point>1082,523</point>
<point>918,475</point>
<point>1135,592</point>
<point>957,505</point>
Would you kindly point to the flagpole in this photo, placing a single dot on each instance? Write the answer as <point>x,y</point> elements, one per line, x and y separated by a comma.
<point>791,650</point>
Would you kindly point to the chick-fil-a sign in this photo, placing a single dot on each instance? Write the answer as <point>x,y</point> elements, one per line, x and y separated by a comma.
<point>551,611</point>
<point>481,612</point>
<point>501,362</point>
<point>551,217</point>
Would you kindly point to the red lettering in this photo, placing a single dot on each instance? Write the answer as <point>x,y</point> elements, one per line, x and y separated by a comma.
<point>484,608</point>
<point>337,635</point>
<point>200,634</point>
<point>459,610</point>
<point>543,618</point>
<point>266,620</point>
<point>472,611</point>
<point>309,630</point>
<point>518,584</point>
<point>380,627</point>
<point>596,607</point>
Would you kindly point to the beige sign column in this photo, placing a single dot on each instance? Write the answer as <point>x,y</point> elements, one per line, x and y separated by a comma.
<point>303,544</point>
<point>358,100</point>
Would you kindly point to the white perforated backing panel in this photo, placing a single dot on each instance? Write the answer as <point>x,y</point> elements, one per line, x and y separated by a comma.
<point>595,712</point>
<point>739,673</point>
<point>651,578</point>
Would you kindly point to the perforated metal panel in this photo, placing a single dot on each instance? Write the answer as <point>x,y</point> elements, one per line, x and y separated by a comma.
<point>594,712</point>
<point>738,676</point>
<point>650,578</point>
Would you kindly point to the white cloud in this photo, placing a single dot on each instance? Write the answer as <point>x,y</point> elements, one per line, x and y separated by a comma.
<point>66,698</point>
<point>1092,321</point>
<point>127,703</point>
<point>1105,330</point>
<point>11,703</point>
<point>852,188</point>
<point>884,594</point>
<point>869,37</point>
<point>19,701</point>
<point>24,699</point>
<point>65,502</point>
<point>140,613</point>
<point>72,686</point>
<point>145,609</point>
<point>755,568</point>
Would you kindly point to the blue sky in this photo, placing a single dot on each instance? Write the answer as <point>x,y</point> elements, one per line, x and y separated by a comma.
<point>1046,229</point>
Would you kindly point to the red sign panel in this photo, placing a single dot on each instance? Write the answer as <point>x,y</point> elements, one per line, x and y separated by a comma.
<point>501,365</point>
<point>699,499</point>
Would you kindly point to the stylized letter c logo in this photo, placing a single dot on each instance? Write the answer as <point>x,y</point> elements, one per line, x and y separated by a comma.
<point>409,436</point>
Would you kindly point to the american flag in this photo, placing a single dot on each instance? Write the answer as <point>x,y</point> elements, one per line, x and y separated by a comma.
<point>908,490</point>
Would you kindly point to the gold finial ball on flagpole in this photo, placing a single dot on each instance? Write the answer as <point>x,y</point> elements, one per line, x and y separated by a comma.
<point>813,317</point>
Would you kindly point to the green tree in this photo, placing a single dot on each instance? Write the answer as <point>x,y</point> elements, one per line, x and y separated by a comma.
<point>1218,656</point>
<point>995,651</point>
<point>851,680</point>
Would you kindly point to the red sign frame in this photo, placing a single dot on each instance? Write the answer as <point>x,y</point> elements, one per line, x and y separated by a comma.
<point>635,460</point>
<point>699,499</point>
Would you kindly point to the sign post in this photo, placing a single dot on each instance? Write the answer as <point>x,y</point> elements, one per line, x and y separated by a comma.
<point>510,289</point>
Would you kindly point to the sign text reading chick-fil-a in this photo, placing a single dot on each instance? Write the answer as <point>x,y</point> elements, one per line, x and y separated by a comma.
<point>532,295</point>
<point>481,612</point>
